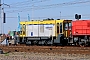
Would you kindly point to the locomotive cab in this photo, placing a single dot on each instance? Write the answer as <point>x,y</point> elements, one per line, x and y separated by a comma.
<point>64,28</point>
<point>67,28</point>
<point>64,32</point>
<point>68,31</point>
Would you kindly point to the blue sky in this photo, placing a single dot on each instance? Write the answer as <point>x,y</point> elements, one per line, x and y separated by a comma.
<point>24,8</point>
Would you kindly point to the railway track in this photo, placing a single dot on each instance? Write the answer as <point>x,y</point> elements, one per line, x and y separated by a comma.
<point>48,49</point>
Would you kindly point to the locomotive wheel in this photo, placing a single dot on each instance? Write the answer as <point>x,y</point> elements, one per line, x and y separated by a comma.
<point>35,42</point>
<point>45,43</point>
<point>82,44</point>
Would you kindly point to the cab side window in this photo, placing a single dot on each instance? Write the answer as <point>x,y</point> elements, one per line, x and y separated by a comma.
<point>57,27</point>
<point>70,25</point>
<point>66,26</point>
<point>60,27</point>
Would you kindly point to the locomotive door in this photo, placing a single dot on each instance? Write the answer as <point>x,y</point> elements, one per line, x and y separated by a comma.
<point>67,29</point>
<point>23,31</point>
<point>59,28</point>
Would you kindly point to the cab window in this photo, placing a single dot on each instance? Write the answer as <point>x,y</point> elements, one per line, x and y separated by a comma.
<point>70,25</point>
<point>66,26</point>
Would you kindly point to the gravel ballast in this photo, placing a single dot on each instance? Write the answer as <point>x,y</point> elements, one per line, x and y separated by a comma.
<point>42,56</point>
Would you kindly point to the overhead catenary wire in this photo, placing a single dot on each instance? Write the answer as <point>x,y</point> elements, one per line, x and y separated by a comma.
<point>26,3</point>
<point>31,2</point>
<point>62,7</point>
<point>50,6</point>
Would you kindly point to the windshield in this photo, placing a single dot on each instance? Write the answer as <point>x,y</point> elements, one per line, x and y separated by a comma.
<point>67,26</point>
<point>70,25</point>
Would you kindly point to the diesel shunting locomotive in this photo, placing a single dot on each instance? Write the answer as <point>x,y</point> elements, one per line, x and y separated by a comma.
<point>55,32</point>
